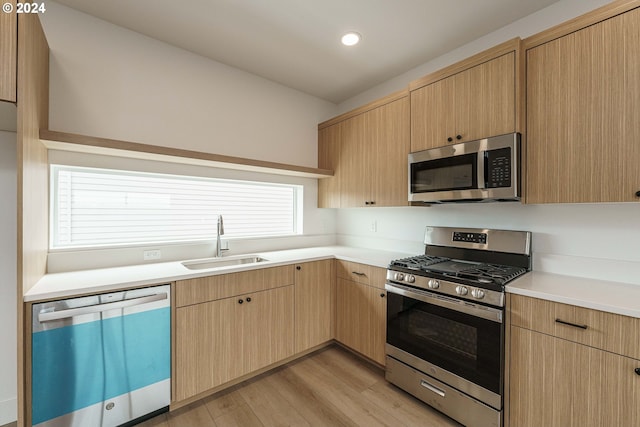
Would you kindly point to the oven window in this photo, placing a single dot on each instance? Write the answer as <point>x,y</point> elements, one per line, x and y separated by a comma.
<point>450,336</point>
<point>452,173</point>
<point>463,344</point>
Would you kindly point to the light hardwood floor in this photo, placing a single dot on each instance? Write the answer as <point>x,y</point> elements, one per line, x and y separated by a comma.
<point>331,387</point>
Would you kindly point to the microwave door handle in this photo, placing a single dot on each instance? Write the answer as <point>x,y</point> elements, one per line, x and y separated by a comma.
<point>480,169</point>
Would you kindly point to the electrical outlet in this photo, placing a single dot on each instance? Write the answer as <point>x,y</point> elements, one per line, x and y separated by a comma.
<point>373,226</point>
<point>152,254</point>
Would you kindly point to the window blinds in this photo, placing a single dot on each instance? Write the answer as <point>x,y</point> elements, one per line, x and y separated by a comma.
<point>98,207</point>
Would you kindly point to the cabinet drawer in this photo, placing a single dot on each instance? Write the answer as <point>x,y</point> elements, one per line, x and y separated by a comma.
<point>362,273</point>
<point>210,288</point>
<point>607,331</point>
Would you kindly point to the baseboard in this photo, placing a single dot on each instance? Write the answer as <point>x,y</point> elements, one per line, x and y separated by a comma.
<point>8,412</point>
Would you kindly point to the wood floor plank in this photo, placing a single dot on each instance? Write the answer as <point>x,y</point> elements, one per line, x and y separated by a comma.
<point>313,407</point>
<point>194,415</point>
<point>241,416</point>
<point>158,421</point>
<point>226,401</point>
<point>406,408</point>
<point>360,375</point>
<point>270,406</point>
<point>348,400</point>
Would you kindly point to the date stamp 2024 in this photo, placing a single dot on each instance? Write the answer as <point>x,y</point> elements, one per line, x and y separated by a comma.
<point>24,7</point>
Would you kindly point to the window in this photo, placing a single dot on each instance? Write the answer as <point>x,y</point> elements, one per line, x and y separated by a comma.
<point>100,207</point>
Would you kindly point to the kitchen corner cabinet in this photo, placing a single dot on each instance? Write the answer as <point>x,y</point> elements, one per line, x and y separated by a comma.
<point>314,308</point>
<point>221,337</point>
<point>563,375</point>
<point>361,309</point>
<point>583,98</point>
<point>8,53</point>
<point>473,99</point>
<point>367,150</point>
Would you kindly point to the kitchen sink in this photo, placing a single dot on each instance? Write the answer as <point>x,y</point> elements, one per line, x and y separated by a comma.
<point>203,264</point>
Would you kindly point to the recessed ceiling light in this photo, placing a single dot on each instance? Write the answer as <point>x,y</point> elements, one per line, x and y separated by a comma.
<point>351,38</point>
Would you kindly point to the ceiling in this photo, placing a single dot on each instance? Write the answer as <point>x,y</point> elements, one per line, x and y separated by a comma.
<point>297,42</point>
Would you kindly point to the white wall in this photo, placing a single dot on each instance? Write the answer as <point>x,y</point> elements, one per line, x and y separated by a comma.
<point>110,82</point>
<point>8,284</point>
<point>600,241</point>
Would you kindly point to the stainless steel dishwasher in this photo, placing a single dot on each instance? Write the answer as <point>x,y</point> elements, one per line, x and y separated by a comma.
<point>101,360</point>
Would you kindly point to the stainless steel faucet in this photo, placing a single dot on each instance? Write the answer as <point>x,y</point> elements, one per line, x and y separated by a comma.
<point>220,232</point>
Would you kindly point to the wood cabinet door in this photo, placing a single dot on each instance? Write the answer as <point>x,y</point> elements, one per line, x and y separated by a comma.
<point>329,140</point>
<point>361,319</point>
<point>432,115</point>
<point>583,95</point>
<point>485,100</point>
<point>208,346</point>
<point>354,162</point>
<point>559,383</point>
<point>313,304</point>
<point>476,103</point>
<point>8,54</point>
<point>377,303</point>
<point>267,327</point>
<point>388,130</point>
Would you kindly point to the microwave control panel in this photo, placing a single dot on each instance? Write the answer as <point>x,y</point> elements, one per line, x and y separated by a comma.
<point>497,168</point>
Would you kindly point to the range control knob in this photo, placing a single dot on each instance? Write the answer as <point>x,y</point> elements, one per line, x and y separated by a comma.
<point>433,284</point>
<point>399,276</point>
<point>477,293</point>
<point>462,290</point>
<point>411,278</point>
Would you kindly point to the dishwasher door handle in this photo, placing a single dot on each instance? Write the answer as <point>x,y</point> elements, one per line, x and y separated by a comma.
<point>72,312</point>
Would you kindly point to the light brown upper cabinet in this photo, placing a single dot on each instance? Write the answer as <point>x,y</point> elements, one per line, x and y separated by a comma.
<point>8,54</point>
<point>583,101</point>
<point>472,99</point>
<point>367,149</point>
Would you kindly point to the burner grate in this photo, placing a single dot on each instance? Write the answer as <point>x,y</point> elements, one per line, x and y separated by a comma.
<point>488,273</point>
<point>418,262</point>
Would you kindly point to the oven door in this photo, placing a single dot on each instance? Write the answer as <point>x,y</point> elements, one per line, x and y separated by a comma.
<point>455,341</point>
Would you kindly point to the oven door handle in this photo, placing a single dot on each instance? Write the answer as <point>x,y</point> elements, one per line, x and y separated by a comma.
<point>461,306</point>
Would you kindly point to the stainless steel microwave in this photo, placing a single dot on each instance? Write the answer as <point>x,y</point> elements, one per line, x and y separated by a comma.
<point>475,171</point>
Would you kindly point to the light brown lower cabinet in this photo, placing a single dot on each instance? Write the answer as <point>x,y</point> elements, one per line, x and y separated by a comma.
<point>361,318</point>
<point>221,340</point>
<point>560,383</point>
<point>315,291</point>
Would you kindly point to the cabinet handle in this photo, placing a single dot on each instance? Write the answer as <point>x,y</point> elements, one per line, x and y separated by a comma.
<point>357,273</point>
<point>248,299</point>
<point>382,295</point>
<point>638,371</point>
<point>298,268</point>
<point>240,301</point>
<point>637,193</point>
<point>366,202</point>
<point>458,137</point>
<point>449,139</point>
<point>373,202</point>
<point>571,324</point>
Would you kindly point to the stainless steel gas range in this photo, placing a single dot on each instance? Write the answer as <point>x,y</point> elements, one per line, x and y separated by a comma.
<point>445,314</point>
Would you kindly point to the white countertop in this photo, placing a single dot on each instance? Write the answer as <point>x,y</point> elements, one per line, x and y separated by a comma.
<point>63,285</point>
<point>613,297</point>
